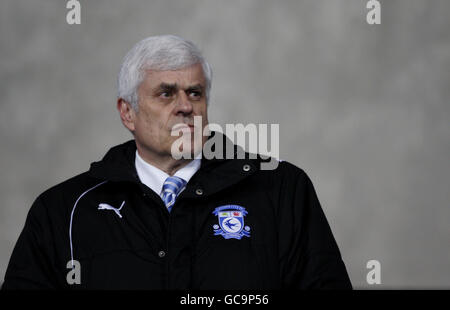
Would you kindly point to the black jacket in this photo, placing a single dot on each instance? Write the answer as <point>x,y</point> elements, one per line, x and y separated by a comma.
<point>270,232</point>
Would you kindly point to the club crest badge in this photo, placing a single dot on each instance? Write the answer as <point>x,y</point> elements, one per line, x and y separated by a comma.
<point>231,222</point>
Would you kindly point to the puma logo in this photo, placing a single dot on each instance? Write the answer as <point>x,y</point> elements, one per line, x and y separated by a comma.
<point>105,206</point>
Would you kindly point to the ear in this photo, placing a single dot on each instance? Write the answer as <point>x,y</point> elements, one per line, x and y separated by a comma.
<point>127,114</point>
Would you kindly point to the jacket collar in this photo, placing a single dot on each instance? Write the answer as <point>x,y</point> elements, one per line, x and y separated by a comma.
<point>118,165</point>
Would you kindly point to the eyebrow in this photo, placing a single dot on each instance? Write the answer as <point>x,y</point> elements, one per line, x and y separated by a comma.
<point>174,87</point>
<point>167,87</point>
<point>196,87</point>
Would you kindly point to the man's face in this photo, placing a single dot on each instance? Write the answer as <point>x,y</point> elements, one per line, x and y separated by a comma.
<point>168,98</point>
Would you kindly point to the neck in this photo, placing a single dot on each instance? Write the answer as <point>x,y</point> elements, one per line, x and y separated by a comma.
<point>165,163</point>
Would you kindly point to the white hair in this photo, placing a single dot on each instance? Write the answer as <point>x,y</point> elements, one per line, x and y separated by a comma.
<point>165,52</point>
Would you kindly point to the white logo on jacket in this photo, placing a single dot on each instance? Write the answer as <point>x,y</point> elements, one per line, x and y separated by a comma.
<point>105,206</point>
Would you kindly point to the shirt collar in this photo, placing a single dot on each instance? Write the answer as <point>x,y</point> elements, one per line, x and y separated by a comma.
<point>154,177</point>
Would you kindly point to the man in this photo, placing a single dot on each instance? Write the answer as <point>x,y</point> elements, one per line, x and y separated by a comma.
<point>142,219</point>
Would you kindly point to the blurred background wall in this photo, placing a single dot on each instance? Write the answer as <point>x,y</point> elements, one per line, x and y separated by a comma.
<point>363,109</point>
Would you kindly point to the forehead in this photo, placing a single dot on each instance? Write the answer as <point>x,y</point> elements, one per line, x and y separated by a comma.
<point>184,77</point>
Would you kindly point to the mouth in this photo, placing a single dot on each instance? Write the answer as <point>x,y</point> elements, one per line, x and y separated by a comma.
<point>181,126</point>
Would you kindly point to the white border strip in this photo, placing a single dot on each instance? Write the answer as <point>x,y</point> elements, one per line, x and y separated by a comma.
<point>71,217</point>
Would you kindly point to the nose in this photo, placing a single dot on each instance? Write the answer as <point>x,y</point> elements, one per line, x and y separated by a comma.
<point>184,105</point>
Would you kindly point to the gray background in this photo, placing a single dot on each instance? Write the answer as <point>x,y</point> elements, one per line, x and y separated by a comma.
<point>363,109</point>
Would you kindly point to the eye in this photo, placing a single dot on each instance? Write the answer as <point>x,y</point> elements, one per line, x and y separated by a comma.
<point>165,95</point>
<point>195,94</point>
